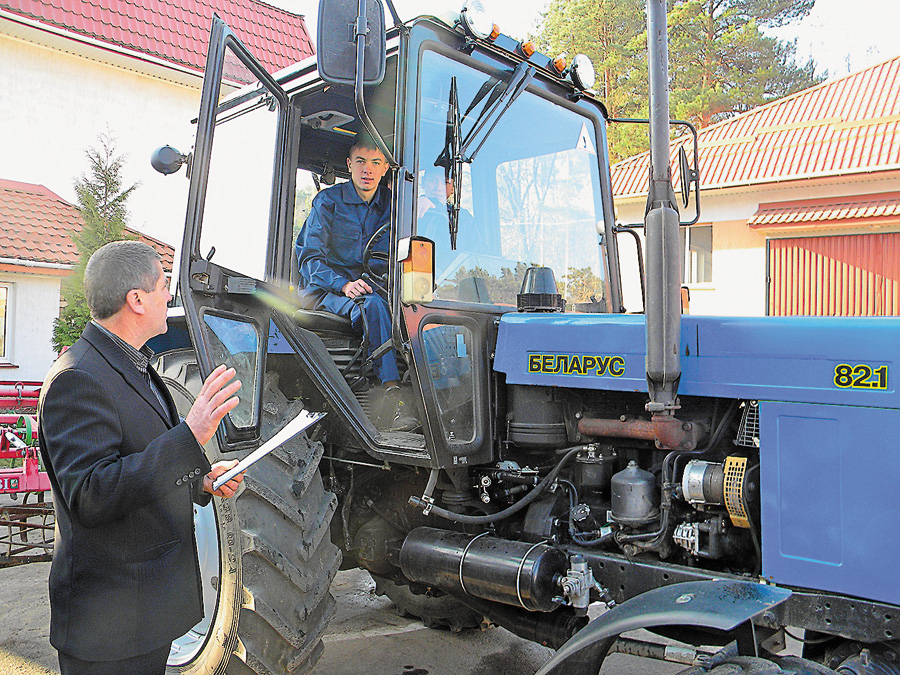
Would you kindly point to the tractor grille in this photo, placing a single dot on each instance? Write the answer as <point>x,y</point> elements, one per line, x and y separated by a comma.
<point>748,432</point>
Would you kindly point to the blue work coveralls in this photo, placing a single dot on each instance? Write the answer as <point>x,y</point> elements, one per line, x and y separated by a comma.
<point>329,252</point>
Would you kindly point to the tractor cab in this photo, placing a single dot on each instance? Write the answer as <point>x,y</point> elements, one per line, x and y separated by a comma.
<point>498,169</point>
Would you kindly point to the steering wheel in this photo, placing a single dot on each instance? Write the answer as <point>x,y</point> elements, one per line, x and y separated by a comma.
<point>370,254</point>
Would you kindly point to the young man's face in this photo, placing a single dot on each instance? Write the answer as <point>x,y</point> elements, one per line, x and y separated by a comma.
<point>367,168</point>
<point>436,187</point>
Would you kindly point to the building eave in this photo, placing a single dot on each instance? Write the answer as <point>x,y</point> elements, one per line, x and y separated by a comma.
<point>59,39</point>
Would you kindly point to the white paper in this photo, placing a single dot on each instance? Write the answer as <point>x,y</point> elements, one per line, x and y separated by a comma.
<point>303,420</point>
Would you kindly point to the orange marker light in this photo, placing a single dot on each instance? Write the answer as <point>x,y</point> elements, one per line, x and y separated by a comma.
<point>559,64</point>
<point>417,281</point>
<point>528,49</point>
<point>495,33</point>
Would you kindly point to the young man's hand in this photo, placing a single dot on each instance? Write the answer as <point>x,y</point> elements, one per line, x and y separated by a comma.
<point>354,289</point>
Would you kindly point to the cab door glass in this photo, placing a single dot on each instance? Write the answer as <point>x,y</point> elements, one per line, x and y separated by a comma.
<point>449,358</point>
<point>239,188</point>
<point>235,342</point>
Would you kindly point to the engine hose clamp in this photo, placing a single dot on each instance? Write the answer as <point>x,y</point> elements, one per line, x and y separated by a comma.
<point>462,583</point>
<point>519,574</point>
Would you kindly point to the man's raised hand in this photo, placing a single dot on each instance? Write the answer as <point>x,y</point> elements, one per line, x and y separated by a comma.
<point>214,401</point>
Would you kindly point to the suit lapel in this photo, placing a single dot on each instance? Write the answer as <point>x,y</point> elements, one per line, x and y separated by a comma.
<point>120,362</point>
<point>172,411</point>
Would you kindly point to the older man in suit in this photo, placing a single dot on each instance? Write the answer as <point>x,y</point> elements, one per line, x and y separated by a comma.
<point>125,579</point>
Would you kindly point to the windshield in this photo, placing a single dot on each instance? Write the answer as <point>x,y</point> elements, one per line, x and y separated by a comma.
<point>530,197</point>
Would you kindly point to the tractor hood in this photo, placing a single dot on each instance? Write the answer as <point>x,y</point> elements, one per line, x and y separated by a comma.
<point>837,360</point>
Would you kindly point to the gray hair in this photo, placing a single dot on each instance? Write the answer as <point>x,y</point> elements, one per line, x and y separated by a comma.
<point>114,270</point>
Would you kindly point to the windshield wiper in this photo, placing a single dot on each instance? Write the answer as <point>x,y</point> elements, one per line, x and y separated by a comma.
<point>453,167</point>
<point>453,155</point>
<point>496,106</point>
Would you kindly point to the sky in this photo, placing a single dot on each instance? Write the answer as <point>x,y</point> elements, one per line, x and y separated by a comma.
<point>843,36</point>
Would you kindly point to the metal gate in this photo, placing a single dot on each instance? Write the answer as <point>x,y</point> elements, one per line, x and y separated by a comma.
<point>845,275</point>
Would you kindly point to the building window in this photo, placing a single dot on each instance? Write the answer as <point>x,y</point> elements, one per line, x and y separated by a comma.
<point>4,322</point>
<point>696,252</point>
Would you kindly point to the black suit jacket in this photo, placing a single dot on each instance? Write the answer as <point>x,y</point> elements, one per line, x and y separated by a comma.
<point>125,578</point>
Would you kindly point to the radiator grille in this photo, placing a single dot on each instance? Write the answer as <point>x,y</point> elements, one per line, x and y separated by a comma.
<point>748,432</point>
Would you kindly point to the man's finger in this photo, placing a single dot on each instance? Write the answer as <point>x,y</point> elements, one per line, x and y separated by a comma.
<point>217,381</point>
<point>206,383</point>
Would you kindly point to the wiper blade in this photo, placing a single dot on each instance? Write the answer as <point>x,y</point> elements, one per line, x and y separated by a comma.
<point>501,97</point>
<point>497,105</point>
<point>453,167</point>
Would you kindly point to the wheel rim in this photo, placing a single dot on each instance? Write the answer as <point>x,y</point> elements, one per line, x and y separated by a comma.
<point>206,530</point>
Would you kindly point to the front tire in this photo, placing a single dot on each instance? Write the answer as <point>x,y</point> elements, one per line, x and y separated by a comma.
<point>265,555</point>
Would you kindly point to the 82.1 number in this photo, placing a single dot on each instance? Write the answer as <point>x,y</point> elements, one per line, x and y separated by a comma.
<point>860,376</point>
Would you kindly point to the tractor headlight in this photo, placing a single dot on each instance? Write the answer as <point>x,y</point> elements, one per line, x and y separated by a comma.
<point>582,72</point>
<point>476,20</point>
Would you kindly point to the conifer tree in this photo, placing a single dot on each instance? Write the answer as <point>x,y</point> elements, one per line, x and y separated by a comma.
<point>102,204</point>
<point>721,63</point>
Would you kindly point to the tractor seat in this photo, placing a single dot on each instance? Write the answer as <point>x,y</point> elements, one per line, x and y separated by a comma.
<point>317,320</point>
<point>320,321</point>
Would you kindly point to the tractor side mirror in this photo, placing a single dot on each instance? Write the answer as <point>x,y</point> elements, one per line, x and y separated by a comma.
<point>686,176</point>
<point>341,24</point>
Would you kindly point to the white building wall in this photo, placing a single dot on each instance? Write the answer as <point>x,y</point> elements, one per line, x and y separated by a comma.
<point>738,286</point>
<point>33,305</point>
<point>55,104</point>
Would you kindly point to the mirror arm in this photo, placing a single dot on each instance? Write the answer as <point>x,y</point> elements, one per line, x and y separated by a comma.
<point>393,10</point>
<point>361,32</point>
<point>695,174</point>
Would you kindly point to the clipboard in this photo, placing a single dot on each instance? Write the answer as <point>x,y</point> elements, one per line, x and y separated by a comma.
<point>302,421</point>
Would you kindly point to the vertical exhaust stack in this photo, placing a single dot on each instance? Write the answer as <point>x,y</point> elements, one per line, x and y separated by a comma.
<point>663,304</point>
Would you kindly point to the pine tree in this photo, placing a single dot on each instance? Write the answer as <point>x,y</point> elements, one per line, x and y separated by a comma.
<point>720,61</point>
<point>610,33</point>
<point>724,64</point>
<point>102,204</point>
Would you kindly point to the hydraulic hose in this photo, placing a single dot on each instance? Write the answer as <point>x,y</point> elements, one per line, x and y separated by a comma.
<point>505,513</point>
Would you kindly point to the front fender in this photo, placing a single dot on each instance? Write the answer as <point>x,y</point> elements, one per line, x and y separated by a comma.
<point>719,604</point>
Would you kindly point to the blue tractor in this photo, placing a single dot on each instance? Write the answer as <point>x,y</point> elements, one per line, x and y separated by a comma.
<point>719,481</point>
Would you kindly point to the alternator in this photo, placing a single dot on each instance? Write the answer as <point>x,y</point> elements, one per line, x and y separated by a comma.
<point>711,484</point>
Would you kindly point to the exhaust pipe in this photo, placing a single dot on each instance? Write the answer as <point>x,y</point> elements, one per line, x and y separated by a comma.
<point>663,304</point>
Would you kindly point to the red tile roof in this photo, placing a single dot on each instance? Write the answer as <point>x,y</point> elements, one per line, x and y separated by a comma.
<point>861,209</point>
<point>36,225</point>
<point>176,30</point>
<point>845,126</point>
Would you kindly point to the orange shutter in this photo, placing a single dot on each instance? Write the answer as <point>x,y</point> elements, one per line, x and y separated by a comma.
<point>847,275</point>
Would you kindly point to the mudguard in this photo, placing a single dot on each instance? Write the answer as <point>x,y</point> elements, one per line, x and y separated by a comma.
<point>719,604</point>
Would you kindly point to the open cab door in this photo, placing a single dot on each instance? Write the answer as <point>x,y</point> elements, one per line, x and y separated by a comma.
<point>233,220</point>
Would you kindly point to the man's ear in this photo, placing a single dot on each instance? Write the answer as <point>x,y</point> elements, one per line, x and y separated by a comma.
<point>348,164</point>
<point>134,302</point>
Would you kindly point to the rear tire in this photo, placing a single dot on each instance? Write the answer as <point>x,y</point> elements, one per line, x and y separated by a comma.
<point>266,557</point>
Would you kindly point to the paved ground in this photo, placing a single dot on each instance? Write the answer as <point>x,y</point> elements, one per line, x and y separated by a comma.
<point>366,637</point>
